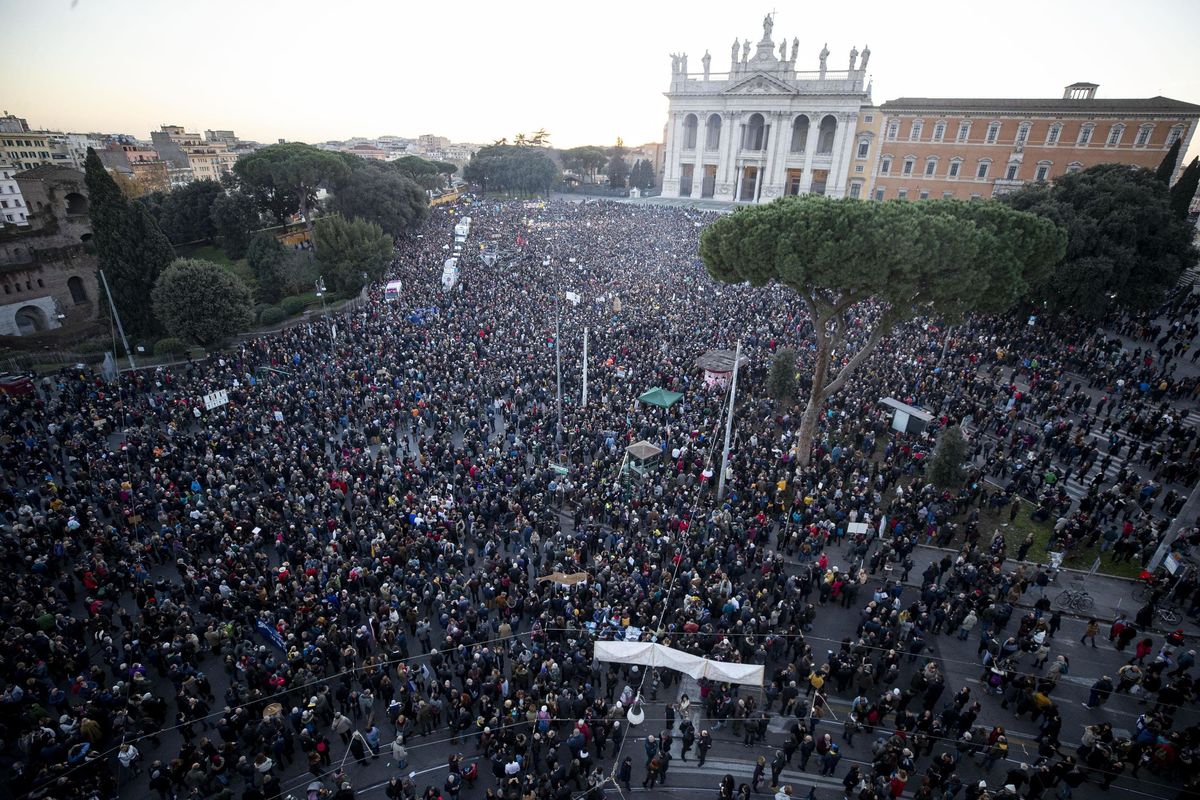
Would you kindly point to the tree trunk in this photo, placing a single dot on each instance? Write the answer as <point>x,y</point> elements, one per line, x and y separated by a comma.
<point>303,196</point>
<point>816,395</point>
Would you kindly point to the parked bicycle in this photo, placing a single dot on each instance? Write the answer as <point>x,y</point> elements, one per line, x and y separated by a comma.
<point>1075,599</point>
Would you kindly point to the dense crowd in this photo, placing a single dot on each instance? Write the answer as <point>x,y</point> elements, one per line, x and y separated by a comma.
<point>347,560</point>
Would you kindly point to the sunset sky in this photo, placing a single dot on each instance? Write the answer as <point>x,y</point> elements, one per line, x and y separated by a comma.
<point>476,71</point>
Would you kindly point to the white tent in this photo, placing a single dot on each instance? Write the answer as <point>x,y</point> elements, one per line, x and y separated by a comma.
<point>657,655</point>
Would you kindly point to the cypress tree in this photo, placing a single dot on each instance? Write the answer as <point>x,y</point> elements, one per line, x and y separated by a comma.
<point>130,248</point>
<point>1166,168</point>
<point>945,470</point>
<point>1185,189</point>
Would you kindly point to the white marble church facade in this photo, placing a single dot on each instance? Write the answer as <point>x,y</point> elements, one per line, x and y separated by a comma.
<point>762,130</point>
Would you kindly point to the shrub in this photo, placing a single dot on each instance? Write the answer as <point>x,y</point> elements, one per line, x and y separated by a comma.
<point>293,305</point>
<point>272,315</point>
<point>170,346</point>
<point>100,345</point>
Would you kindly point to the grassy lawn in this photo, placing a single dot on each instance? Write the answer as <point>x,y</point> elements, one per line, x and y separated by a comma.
<point>1080,558</point>
<point>212,253</point>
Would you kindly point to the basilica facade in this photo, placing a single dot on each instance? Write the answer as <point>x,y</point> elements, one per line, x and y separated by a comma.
<point>764,129</point>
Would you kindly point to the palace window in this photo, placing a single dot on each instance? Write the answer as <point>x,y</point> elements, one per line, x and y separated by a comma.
<point>1114,135</point>
<point>893,129</point>
<point>918,127</point>
<point>982,171</point>
<point>1143,136</point>
<point>1175,134</point>
<point>955,167</point>
<point>1043,171</point>
<point>908,166</point>
<point>939,131</point>
<point>993,132</point>
<point>1023,132</point>
<point>964,131</point>
<point>885,166</point>
<point>1085,135</point>
<point>864,147</point>
<point>931,167</point>
<point>1011,173</point>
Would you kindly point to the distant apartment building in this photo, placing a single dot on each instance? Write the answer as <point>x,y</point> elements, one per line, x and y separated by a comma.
<point>366,150</point>
<point>227,138</point>
<point>427,142</point>
<point>190,157</point>
<point>28,149</point>
<point>868,136</point>
<point>978,147</point>
<point>12,203</point>
<point>11,124</point>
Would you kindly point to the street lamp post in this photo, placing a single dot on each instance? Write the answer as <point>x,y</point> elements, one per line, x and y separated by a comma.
<point>557,356</point>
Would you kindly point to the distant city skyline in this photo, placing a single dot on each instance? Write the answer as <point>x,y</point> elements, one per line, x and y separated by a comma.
<point>296,71</point>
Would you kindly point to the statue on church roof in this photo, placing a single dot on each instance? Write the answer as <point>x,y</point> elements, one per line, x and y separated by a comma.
<point>853,57</point>
<point>783,50</point>
<point>683,64</point>
<point>674,63</point>
<point>707,62</point>
<point>768,26</point>
<point>795,47</point>
<point>866,54</point>
<point>733,53</point>
<point>745,50</point>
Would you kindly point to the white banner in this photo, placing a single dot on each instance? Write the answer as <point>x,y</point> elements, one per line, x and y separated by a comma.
<point>657,655</point>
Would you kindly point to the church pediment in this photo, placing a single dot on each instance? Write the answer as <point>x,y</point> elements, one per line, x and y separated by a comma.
<point>758,84</point>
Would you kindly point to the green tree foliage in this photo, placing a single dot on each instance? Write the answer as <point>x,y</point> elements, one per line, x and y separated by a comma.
<point>130,248</point>
<point>945,468</point>
<point>781,381</point>
<point>446,170</point>
<point>914,259</point>
<point>1124,245</point>
<point>293,168</point>
<point>198,301</point>
<point>185,214</point>
<point>383,196</point>
<point>1184,190</point>
<point>235,218</point>
<point>617,171</point>
<point>642,175</point>
<point>586,161</point>
<point>346,248</point>
<point>1166,167</point>
<point>268,259</point>
<point>424,173</point>
<point>512,168</point>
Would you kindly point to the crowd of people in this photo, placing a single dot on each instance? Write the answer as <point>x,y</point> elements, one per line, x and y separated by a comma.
<point>349,559</point>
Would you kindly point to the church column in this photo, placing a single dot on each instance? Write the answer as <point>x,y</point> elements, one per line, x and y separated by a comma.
<point>839,162</point>
<point>810,150</point>
<point>729,174</point>
<point>779,153</point>
<point>698,168</point>
<point>671,169</point>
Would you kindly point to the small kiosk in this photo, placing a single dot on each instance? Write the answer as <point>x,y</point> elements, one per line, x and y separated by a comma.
<point>640,459</point>
<point>718,366</point>
<point>906,418</point>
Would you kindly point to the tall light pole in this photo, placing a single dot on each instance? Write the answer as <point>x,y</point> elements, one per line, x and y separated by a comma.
<point>557,355</point>
<point>737,357</point>
<point>117,317</point>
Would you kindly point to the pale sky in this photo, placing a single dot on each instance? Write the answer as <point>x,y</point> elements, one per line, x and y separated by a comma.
<point>475,71</point>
